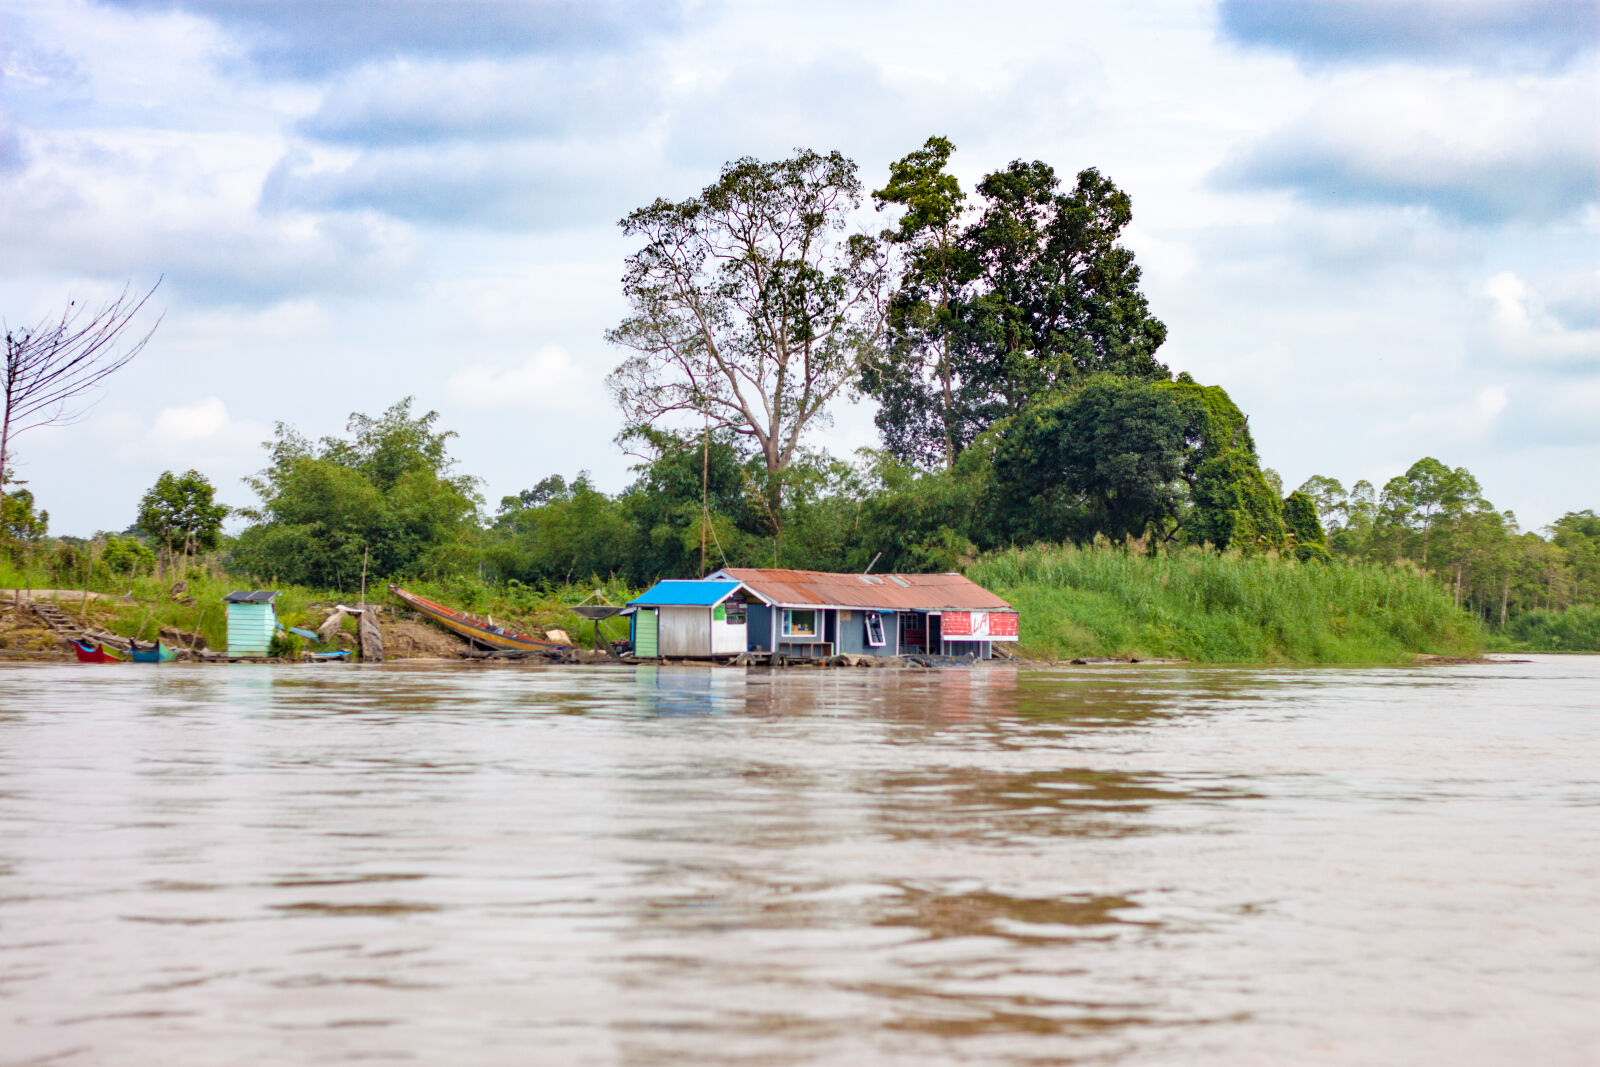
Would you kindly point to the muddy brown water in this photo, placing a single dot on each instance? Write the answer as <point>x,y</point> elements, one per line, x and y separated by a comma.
<point>265,865</point>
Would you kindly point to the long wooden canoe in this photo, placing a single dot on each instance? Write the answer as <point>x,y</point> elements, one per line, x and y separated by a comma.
<point>474,629</point>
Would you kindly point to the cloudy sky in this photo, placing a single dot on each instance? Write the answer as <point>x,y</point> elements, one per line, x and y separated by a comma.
<point>1375,222</point>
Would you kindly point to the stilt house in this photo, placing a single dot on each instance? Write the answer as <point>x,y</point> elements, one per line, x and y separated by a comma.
<point>817,614</point>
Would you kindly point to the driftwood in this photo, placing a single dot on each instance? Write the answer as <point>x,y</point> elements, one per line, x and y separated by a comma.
<point>331,626</point>
<point>371,638</point>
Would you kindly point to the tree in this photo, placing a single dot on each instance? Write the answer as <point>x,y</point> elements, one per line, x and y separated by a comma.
<point>748,309</point>
<point>181,514</point>
<point>20,525</point>
<point>1233,501</point>
<point>1414,500</point>
<point>571,531</point>
<point>1106,458</point>
<point>382,499</point>
<point>1328,497</point>
<point>50,366</point>
<point>1300,520</point>
<point>1578,534</point>
<point>1034,294</point>
<point>915,380</point>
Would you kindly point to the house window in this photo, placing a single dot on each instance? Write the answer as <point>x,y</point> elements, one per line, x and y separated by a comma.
<point>798,623</point>
<point>875,630</point>
<point>735,614</point>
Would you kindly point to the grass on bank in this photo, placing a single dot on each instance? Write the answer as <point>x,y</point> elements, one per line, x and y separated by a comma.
<point>1222,608</point>
<point>199,607</point>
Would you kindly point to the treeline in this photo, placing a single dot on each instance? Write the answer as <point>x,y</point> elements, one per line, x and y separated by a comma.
<point>1013,358</point>
<point>1538,590</point>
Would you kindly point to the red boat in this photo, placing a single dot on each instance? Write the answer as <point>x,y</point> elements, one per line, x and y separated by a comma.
<point>98,653</point>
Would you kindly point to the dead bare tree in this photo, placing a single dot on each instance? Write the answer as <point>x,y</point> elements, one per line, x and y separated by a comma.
<point>49,367</point>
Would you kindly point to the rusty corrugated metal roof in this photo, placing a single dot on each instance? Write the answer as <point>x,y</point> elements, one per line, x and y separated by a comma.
<point>898,592</point>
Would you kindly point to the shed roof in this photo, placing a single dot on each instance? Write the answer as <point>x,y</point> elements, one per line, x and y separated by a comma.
<point>891,592</point>
<point>699,594</point>
<point>250,596</point>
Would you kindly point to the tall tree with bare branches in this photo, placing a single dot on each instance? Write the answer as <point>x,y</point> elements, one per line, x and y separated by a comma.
<point>49,367</point>
<point>752,308</point>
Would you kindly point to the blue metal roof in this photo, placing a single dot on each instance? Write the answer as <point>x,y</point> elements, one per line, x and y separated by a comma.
<point>700,594</point>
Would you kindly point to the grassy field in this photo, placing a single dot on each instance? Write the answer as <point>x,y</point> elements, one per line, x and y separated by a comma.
<point>1211,608</point>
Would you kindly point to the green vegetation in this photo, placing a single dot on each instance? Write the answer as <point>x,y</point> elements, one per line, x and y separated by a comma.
<point>1576,629</point>
<point>380,502</point>
<point>1021,403</point>
<point>1211,607</point>
<point>1519,583</point>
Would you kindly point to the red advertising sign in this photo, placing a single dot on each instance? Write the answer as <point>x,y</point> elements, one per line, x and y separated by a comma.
<point>956,624</point>
<point>1003,623</point>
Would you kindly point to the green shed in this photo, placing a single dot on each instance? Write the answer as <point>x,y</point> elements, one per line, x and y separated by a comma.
<point>251,622</point>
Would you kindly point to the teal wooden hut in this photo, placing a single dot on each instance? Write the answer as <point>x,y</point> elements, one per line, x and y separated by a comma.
<point>251,622</point>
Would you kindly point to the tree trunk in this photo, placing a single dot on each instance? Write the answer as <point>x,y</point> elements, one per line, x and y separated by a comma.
<point>5,452</point>
<point>371,638</point>
<point>949,401</point>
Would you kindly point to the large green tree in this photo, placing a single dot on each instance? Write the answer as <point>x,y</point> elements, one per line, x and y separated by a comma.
<point>1034,293</point>
<point>914,378</point>
<point>750,306</point>
<point>383,498</point>
<point>1233,501</point>
<point>1108,457</point>
<point>1427,492</point>
<point>181,514</point>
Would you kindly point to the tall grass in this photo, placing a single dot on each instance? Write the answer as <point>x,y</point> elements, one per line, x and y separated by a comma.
<point>1222,608</point>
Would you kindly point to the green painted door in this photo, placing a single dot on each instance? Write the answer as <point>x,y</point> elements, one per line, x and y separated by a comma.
<point>644,634</point>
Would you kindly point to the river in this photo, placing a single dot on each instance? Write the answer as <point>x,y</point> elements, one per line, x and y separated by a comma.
<point>1122,865</point>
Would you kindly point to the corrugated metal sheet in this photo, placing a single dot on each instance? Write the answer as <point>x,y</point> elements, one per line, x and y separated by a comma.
<point>250,596</point>
<point>890,592</point>
<point>685,632</point>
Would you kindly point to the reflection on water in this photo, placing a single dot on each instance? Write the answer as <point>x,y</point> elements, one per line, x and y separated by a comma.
<point>265,865</point>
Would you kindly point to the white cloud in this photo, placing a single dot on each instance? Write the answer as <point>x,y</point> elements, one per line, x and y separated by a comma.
<point>1523,331</point>
<point>182,425</point>
<point>201,434</point>
<point>1476,149</point>
<point>1469,419</point>
<point>549,380</point>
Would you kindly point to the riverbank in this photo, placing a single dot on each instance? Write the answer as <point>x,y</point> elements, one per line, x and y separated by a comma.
<point>190,615</point>
<point>1076,604</point>
<point>1206,607</point>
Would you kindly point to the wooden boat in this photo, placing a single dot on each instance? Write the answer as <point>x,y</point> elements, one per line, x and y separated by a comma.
<point>96,652</point>
<point>479,631</point>
<point>156,653</point>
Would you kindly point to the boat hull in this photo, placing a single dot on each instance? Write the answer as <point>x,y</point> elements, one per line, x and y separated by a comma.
<point>95,652</point>
<point>474,629</point>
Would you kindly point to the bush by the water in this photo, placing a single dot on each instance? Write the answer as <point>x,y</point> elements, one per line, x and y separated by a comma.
<point>1575,630</point>
<point>1213,607</point>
